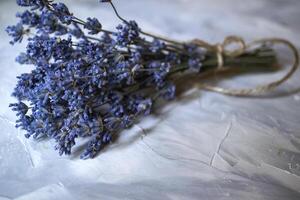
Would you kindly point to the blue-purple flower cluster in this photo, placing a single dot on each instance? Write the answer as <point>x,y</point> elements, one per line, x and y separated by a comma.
<point>87,81</point>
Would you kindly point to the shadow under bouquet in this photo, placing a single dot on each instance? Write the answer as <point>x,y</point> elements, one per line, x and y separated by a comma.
<point>89,82</point>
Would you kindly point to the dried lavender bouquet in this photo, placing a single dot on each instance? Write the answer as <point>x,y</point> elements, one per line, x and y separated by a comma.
<point>89,82</point>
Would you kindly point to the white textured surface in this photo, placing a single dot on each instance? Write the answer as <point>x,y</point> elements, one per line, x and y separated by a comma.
<point>203,146</point>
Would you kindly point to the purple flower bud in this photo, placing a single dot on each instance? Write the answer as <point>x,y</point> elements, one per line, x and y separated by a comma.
<point>16,32</point>
<point>93,25</point>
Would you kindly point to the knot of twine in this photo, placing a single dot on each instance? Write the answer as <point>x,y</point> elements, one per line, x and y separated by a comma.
<point>221,51</point>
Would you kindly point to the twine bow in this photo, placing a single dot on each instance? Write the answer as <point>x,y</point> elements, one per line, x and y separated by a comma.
<point>221,51</point>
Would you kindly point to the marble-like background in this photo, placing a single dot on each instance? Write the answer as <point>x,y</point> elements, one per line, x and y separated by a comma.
<point>202,146</point>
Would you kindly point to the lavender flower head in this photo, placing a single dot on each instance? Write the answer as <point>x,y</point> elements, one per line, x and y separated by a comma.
<point>89,82</point>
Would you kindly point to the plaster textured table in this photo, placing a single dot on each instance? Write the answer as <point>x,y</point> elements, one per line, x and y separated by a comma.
<point>202,146</point>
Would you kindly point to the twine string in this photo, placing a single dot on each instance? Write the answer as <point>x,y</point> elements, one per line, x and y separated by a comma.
<point>221,51</point>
